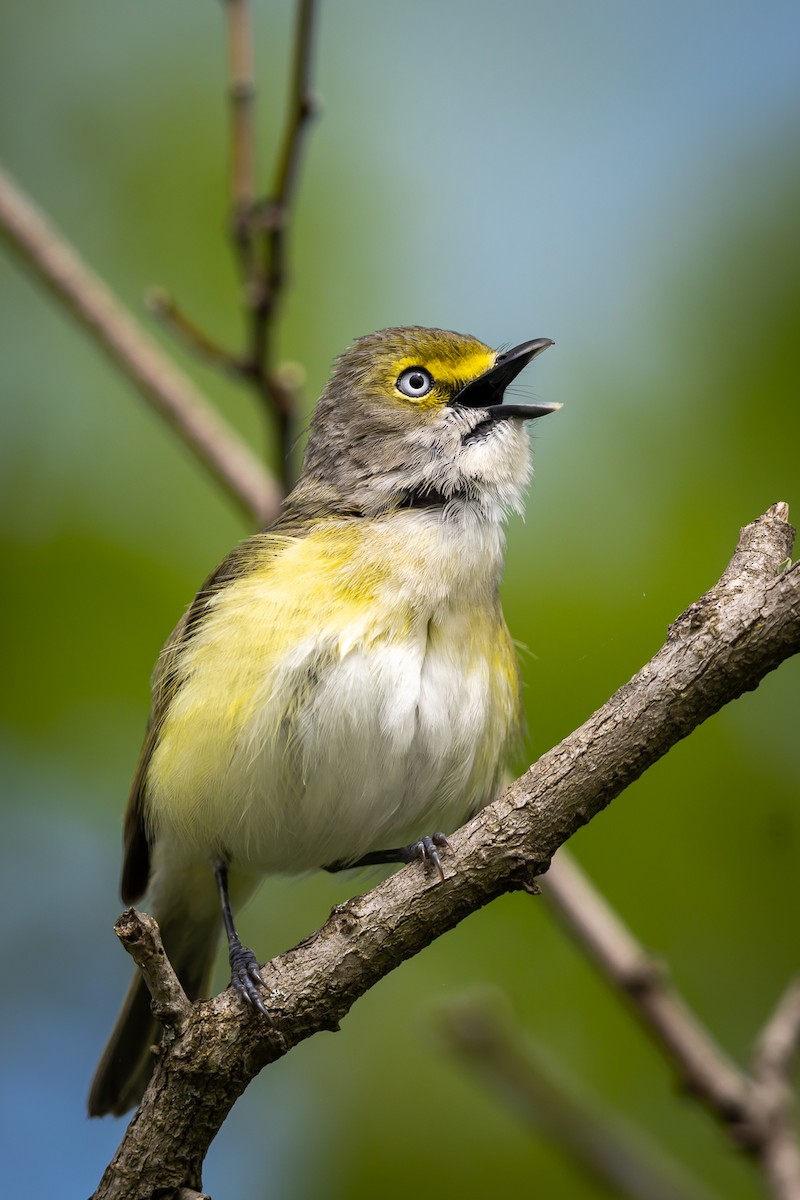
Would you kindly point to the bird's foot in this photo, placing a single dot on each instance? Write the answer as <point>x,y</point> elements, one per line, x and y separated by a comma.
<point>426,850</point>
<point>245,975</point>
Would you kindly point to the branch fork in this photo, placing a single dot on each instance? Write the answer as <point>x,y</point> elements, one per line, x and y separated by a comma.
<point>141,937</point>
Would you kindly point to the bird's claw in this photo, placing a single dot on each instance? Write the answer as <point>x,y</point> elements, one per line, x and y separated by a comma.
<point>246,977</point>
<point>426,850</point>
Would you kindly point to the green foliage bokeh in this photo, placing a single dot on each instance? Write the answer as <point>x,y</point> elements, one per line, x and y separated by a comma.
<point>615,177</point>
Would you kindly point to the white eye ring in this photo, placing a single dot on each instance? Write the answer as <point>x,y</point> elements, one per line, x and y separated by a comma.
<point>414,382</point>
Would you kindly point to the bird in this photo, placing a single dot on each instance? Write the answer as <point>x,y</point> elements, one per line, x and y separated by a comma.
<point>343,687</point>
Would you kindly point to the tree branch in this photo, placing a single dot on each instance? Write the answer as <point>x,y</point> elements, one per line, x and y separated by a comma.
<point>704,1068</point>
<point>171,393</point>
<point>241,93</point>
<point>270,221</point>
<point>773,1123</point>
<point>778,1041</point>
<point>722,646</point>
<point>757,1108</point>
<point>166,310</point>
<point>259,227</point>
<point>141,937</point>
<point>483,1035</point>
<point>275,213</point>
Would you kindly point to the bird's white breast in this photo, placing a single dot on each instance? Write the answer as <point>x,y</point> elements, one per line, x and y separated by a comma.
<point>380,701</point>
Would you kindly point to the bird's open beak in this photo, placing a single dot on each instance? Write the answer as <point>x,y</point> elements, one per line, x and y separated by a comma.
<point>487,391</point>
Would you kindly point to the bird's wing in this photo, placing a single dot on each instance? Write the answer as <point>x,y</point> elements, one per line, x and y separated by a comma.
<point>164,684</point>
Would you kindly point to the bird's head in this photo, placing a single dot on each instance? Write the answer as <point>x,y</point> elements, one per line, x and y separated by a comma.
<point>415,417</point>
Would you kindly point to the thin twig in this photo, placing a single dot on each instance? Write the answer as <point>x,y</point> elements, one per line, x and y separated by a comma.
<point>271,219</point>
<point>703,1066</point>
<point>140,935</point>
<point>162,305</point>
<point>275,213</point>
<point>259,228</point>
<point>777,1043</point>
<point>140,359</point>
<point>241,93</point>
<point>303,105</point>
<point>242,127</point>
<point>483,1034</point>
<point>774,1117</point>
<point>758,1109</point>
<point>780,1156</point>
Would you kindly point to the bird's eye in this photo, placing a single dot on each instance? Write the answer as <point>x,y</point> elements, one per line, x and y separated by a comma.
<point>415,382</point>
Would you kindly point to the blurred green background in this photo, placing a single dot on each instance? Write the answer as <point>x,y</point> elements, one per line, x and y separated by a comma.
<point>621,177</point>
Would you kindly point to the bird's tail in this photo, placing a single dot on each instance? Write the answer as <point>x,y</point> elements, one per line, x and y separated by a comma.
<point>186,908</point>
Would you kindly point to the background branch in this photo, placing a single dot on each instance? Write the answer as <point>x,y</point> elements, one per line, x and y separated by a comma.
<point>757,1108</point>
<point>773,1121</point>
<point>109,324</point>
<point>273,216</point>
<point>724,645</point>
<point>778,1041</point>
<point>269,222</point>
<point>166,310</point>
<point>259,227</point>
<point>482,1033</point>
<point>703,1067</point>
<point>241,93</point>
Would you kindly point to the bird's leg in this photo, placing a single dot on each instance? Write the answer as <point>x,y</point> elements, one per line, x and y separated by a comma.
<point>245,975</point>
<point>426,850</point>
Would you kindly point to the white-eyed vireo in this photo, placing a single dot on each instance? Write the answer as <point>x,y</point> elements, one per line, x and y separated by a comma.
<point>344,684</point>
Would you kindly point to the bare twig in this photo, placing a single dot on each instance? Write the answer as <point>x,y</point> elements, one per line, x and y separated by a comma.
<point>758,1109</point>
<point>119,335</point>
<point>241,93</point>
<point>163,306</point>
<point>704,1068</point>
<point>720,648</point>
<point>273,216</point>
<point>778,1041</point>
<point>241,98</point>
<point>140,935</point>
<point>773,1121</point>
<point>481,1031</point>
<point>780,1156</point>
<point>259,227</point>
<point>270,219</point>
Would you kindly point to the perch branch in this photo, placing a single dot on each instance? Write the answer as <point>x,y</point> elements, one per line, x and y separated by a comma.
<point>140,935</point>
<point>723,645</point>
<point>171,393</point>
